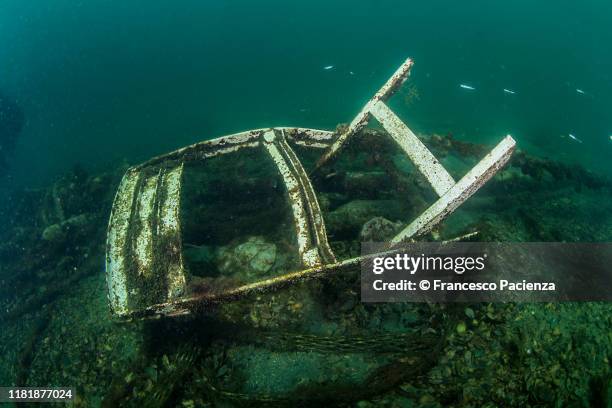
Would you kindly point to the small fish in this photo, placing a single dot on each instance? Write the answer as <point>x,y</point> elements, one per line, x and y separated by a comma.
<point>328,67</point>
<point>611,138</point>
<point>509,91</point>
<point>351,72</point>
<point>580,91</point>
<point>575,138</point>
<point>471,88</point>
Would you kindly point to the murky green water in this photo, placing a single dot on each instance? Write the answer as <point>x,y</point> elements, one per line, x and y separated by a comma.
<point>102,82</point>
<point>99,86</point>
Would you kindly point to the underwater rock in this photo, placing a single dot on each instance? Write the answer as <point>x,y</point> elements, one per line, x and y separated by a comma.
<point>379,229</point>
<point>53,233</point>
<point>253,258</point>
<point>77,221</point>
<point>57,232</point>
<point>348,219</point>
<point>74,194</point>
<point>331,201</point>
<point>444,145</point>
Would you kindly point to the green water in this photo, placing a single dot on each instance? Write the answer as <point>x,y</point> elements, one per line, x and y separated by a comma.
<point>103,85</point>
<point>101,82</point>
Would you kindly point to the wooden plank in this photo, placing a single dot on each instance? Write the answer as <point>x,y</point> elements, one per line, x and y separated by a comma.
<point>308,252</point>
<point>117,241</point>
<point>461,191</point>
<point>425,162</point>
<point>361,120</point>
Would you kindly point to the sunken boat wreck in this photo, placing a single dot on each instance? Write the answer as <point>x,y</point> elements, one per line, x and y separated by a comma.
<point>145,265</point>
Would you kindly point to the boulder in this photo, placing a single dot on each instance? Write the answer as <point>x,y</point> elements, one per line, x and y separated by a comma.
<point>347,221</point>
<point>379,229</point>
<point>250,259</point>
